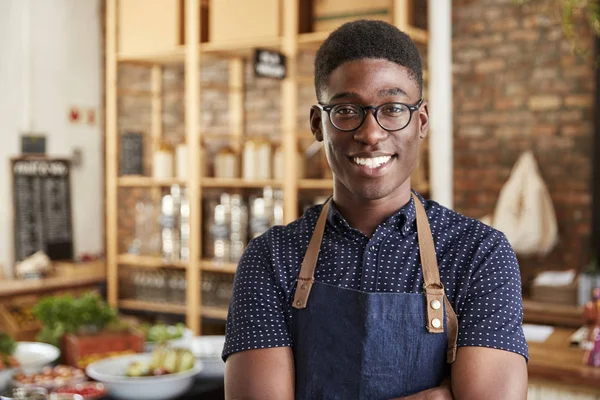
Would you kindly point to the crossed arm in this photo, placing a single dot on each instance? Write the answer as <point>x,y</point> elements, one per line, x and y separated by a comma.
<point>477,373</point>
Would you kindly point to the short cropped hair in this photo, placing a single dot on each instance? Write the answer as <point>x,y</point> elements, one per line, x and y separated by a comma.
<point>366,39</point>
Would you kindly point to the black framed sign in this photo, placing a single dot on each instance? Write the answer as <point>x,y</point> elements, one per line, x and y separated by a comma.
<point>269,64</point>
<point>33,144</point>
<point>42,207</point>
<point>132,154</point>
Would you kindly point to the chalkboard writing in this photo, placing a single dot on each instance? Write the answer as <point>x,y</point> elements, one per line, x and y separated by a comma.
<point>42,208</point>
<point>132,154</point>
<point>269,64</point>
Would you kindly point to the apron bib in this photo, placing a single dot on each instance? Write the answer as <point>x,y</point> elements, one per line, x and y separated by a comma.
<point>350,344</point>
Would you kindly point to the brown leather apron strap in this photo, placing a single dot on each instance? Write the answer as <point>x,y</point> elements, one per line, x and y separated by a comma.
<point>306,278</point>
<point>432,285</point>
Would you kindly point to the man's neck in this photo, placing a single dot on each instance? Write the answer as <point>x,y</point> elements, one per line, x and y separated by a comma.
<point>367,215</point>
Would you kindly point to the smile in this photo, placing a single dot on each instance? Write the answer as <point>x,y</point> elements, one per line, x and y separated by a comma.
<point>372,162</point>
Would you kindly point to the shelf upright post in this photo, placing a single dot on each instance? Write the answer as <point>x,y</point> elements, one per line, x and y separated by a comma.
<point>289,105</point>
<point>156,127</point>
<point>402,14</point>
<point>111,160</point>
<point>192,133</point>
<point>236,102</point>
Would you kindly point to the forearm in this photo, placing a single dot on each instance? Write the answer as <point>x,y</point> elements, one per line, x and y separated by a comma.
<point>438,393</point>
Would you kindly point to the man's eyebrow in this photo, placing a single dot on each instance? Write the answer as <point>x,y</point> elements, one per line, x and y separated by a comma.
<point>344,94</point>
<point>392,92</point>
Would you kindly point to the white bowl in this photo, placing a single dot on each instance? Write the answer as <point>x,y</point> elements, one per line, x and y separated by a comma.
<point>208,350</point>
<point>6,376</point>
<point>185,341</point>
<point>112,373</point>
<point>33,356</point>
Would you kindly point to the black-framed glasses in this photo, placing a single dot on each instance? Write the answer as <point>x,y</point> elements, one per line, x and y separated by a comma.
<point>390,116</point>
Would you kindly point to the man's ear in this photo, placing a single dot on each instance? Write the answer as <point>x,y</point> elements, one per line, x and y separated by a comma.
<point>423,120</point>
<point>316,123</point>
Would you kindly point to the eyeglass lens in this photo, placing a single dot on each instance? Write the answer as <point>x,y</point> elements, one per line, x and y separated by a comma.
<point>391,116</point>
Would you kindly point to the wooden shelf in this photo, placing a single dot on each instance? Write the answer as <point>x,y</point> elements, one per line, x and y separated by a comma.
<point>15,287</point>
<point>136,305</point>
<point>211,266</point>
<point>537,312</point>
<point>174,56</point>
<point>238,183</point>
<point>148,262</point>
<point>226,49</point>
<point>147,181</point>
<point>313,40</point>
<point>215,313</point>
<point>240,48</point>
<point>191,58</point>
<point>315,184</point>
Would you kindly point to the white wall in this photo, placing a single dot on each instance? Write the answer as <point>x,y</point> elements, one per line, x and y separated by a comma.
<point>50,61</point>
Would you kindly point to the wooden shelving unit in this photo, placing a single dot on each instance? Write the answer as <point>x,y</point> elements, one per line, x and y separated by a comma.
<point>226,268</point>
<point>214,313</point>
<point>148,262</point>
<point>146,181</point>
<point>239,183</point>
<point>136,305</point>
<point>190,56</point>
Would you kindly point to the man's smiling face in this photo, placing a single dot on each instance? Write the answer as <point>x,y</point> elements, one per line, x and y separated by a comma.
<point>370,163</point>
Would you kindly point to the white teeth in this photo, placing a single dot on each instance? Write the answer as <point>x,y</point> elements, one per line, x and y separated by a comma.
<point>372,162</point>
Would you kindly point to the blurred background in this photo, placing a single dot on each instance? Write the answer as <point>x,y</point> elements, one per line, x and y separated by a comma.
<point>146,142</point>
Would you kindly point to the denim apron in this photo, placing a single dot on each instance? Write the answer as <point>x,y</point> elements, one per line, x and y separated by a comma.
<point>350,344</point>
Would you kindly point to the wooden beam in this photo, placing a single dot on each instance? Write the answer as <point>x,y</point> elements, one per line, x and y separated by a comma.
<point>289,97</point>
<point>192,133</point>
<point>236,102</point>
<point>112,154</point>
<point>156,127</point>
<point>402,10</point>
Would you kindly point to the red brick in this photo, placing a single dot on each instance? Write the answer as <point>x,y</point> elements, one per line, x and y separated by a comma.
<point>544,102</point>
<point>508,103</point>
<point>508,131</point>
<point>490,65</point>
<point>544,130</point>
<point>581,71</point>
<point>524,36</point>
<point>495,117</point>
<point>504,50</point>
<point>471,131</point>
<point>580,101</point>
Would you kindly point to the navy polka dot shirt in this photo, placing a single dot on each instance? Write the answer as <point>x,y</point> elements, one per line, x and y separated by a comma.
<point>477,266</point>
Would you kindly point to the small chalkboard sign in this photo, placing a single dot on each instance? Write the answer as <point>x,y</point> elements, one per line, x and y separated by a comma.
<point>132,154</point>
<point>269,64</point>
<point>33,144</point>
<point>42,207</point>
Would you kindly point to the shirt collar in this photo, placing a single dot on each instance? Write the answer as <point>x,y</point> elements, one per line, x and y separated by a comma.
<point>403,220</point>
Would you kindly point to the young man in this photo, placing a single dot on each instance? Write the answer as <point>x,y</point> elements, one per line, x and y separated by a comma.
<point>370,309</point>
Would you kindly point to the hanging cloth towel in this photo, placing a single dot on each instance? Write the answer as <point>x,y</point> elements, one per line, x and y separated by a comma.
<point>524,212</point>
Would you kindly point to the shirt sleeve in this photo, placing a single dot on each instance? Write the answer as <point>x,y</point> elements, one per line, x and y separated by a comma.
<point>492,312</point>
<point>256,317</point>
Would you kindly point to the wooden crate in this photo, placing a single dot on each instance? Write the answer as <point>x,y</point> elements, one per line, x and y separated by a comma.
<point>70,269</point>
<point>330,14</point>
<point>10,324</point>
<point>80,350</point>
<point>233,20</point>
<point>566,295</point>
<point>148,27</point>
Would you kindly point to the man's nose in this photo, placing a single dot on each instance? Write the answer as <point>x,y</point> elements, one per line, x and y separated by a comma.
<point>370,133</point>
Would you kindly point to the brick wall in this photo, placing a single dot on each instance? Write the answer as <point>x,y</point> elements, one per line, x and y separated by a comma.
<point>518,86</point>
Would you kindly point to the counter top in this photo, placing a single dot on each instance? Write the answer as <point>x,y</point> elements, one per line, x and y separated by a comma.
<point>556,361</point>
<point>11,288</point>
